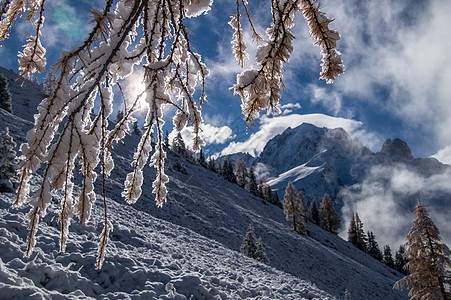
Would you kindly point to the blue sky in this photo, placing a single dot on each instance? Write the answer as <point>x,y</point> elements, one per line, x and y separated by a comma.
<point>397,81</point>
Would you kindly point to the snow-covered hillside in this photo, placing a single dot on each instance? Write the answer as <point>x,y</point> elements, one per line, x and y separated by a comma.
<point>187,249</point>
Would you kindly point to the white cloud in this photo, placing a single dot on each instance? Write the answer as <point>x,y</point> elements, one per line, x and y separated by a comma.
<point>398,46</point>
<point>378,202</point>
<point>332,101</point>
<point>210,134</point>
<point>444,155</point>
<point>272,126</point>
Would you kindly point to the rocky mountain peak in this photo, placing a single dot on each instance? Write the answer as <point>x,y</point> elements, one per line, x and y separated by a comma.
<point>396,147</point>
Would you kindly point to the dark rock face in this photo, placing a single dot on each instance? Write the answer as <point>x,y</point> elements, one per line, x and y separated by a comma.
<point>396,147</point>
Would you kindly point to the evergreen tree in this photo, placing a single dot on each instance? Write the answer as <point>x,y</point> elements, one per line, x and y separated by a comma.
<point>248,245</point>
<point>260,253</point>
<point>50,83</point>
<point>292,207</point>
<point>429,259</point>
<point>356,235</point>
<point>372,247</point>
<point>166,139</point>
<point>178,144</point>
<point>241,173</point>
<point>329,219</point>
<point>252,184</point>
<point>400,261</point>
<point>136,128</point>
<point>212,164</point>
<point>314,213</point>
<point>201,159</point>
<point>388,258</point>
<point>5,96</point>
<point>227,170</point>
<point>8,163</point>
<point>252,246</point>
<point>119,116</point>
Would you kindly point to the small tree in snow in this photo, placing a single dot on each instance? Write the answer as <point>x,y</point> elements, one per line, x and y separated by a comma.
<point>388,257</point>
<point>356,235</point>
<point>293,209</point>
<point>428,259</point>
<point>252,185</point>
<point>50,83</point>
<point>201,159</point>
<point>241,173</point>
<point>329,218</point>
<point>400,261</point>
<point>8,163</point>
<point>212,164</point>
<point>314,213</point>
<point>5,96</point>
<point>119,116</point>
<point>227,170</point>
<point>260,253</point>
<point>372,247</point>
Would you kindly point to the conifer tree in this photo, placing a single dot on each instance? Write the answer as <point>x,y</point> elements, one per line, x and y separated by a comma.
<point>248,245</point>
<point>50,83</point>
<point>166,139</point>
<point>241,173</point>
<point>388,257</point>
<point>178,144</point>
<point>400,261</point>
<point>8,163</point>
<point>356,235</point>
<point>252,184</point>
<point>137,131</point>
<point>119,116</point>
<point>314,213</point>
<point>292,207</point>
<point>5,96</point>
<point>173,75</point>
<point>329,218</point>
<point>227,170</point>
<point>372,247</point>
<point>428,258</point>
<point>201,159</point>
<point>212,164</point>
<point>260,253</point>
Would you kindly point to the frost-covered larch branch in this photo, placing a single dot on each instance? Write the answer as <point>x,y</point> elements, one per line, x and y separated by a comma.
<point>68,132</point>
<point>260,89</point>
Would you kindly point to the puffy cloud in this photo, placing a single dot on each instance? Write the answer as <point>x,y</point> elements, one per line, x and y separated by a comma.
<point>383,200</point>
<point>210,134</point>
<point>272,126</point>
<point>444,155</point>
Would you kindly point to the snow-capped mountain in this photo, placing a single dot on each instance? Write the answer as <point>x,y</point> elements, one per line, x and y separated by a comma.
<point>321,160</point>
<point>187,249</point>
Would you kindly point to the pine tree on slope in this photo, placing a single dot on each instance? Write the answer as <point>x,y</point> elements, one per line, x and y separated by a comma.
<point>5,96</point>
<point>227,170</point>
<point>314,213</point>
<point>248,246</point>
<point>429,259</point>
<point>400,261</point>
<point>252,184</point>
<point>388,258</point>
<point>372,247</point>
<point>356,235</point>
<point>329,218</point>
<point>241,173</point>
<point>292,207</point>
<point>260,253</point>
<point>8,164</point>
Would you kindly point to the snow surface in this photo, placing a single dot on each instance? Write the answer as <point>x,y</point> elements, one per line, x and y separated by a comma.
<point>187,249</point>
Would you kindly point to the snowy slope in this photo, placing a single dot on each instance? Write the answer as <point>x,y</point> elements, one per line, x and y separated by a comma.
<point>189,248</point>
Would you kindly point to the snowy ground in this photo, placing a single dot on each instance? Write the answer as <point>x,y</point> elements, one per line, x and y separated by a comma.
<point>147,258</point>
<point>187,249</point>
